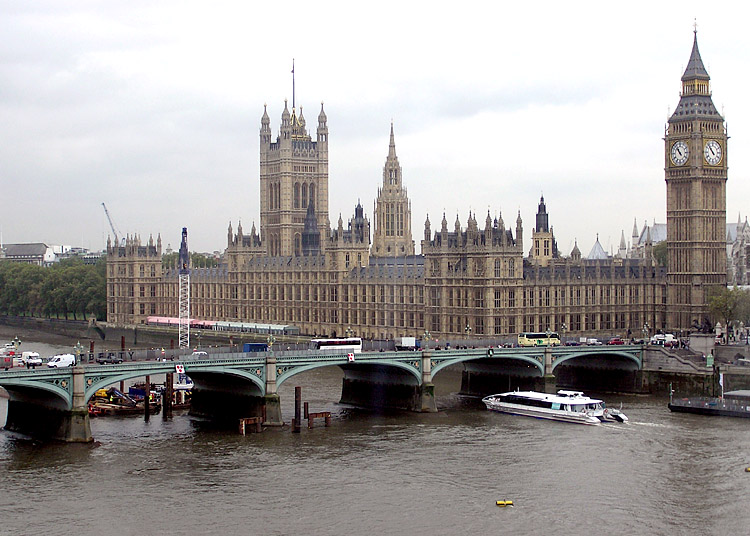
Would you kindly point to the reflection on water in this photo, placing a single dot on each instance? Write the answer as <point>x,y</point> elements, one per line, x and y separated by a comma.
<point>388,473</point>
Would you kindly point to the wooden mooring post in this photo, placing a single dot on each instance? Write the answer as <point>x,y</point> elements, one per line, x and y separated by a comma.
<point>254,421</point>
<point>147,400</point>
<point>296,422</point>
<point>319,415</point>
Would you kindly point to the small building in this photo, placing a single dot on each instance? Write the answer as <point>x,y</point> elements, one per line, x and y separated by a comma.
<point>34,253</point>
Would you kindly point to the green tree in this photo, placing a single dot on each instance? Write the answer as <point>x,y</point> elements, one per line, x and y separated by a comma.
<point>724,304</point>
<point>660,253</point>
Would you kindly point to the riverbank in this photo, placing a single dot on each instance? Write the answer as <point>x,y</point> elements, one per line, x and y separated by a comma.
<point>111,336</point>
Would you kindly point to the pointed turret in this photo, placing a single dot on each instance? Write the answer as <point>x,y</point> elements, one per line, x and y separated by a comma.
<point>695,100</point>
<point>695,69</point>
<point>322,126</point>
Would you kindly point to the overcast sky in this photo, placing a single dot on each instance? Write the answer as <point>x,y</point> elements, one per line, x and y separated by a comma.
<point>154,107</point>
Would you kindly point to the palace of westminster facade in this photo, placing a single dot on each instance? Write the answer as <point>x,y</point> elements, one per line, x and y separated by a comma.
<point>468,280</point>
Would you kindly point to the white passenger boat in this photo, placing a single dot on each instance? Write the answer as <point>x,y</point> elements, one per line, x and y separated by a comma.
<point>567,406</point>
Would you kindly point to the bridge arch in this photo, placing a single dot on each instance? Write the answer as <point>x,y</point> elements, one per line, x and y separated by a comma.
<point>486,356</point>
<point>195,372</point>
<point>345,364</point>
<point>591,357</point>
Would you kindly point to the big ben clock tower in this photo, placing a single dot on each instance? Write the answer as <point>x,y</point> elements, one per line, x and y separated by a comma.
<point>695,160</point>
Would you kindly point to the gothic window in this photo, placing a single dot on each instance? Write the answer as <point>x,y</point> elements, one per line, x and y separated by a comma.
<point>498,268</point>
<point>312,196</point>
<point>511,267</point>
<point>296,195</point>
<point>304,196</point>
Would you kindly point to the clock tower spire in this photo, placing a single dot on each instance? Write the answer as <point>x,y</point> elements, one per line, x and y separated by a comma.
<point>695,166</point>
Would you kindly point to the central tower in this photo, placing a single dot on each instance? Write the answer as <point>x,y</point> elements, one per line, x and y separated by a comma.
<point>695,160</point>
<point>293,175</point>
<point>392,236</point>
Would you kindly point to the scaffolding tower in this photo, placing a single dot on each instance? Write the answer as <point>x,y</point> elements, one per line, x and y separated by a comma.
<point>184,327</point>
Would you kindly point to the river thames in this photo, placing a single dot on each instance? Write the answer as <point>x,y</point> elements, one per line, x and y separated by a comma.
<point>376,473</point>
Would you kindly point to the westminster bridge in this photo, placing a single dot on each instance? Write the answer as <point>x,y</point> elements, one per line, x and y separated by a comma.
<point>54,402</point>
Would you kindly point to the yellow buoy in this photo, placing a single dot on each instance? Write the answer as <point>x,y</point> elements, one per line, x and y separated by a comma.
<point>504,503</point>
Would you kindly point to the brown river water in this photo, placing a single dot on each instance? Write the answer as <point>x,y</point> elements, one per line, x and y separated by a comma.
<point>381,473</point>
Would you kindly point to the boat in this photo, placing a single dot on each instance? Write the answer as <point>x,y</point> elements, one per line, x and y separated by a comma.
<point>731,404</point>
<point>112,402</point>
<point>566,406</point>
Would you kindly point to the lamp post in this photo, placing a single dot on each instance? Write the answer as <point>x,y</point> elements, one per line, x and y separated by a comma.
<point>426,339</point>
<point>563,329</point>
<point>646,329</point>
<point>467,330</point>
<point>16,343</point>
<point>79,349</point>
<point>348,332</point>
<point>270,340</point>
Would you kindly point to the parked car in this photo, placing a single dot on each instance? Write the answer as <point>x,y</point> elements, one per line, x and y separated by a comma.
<point>62,360</point>
<point>572,342</point>
<point>109,359</point>
<point>615,340</point>
<point>199,354</point>
<point>593,342</point>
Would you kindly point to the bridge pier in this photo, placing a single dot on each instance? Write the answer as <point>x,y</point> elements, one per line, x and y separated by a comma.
<point>550,382</point>
<point>271,399</point>
<point>427,388</point>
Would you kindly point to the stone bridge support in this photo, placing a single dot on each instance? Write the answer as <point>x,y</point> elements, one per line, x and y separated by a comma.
<point>427,388</point>
<point>550,382</point>
<point>271,399</point>
<point>45,415</point>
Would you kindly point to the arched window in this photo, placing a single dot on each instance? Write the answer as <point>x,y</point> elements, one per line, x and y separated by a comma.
<point>296,195</point>
<point>304,196</point>
<point>312,196</point>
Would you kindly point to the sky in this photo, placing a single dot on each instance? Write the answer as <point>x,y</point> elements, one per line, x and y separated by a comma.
<point>153,107</point>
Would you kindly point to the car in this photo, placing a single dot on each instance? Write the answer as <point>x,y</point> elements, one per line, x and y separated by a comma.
<point>199,354</point>
<point>108,359</point>
<point>615,340</point>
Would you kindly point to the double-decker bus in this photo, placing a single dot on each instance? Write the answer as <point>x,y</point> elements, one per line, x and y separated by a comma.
<point>346,345</point>
<point>539,339</point>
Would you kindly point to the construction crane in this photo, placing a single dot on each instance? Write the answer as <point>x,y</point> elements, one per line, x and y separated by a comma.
<point>112,225</point>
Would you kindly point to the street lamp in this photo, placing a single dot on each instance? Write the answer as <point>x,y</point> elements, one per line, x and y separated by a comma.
<point>646,329</point>
<point>563,328</point>
<point>270,340</point>
<point>79,349</point>
<point>16,343</point>
<point>348,332</point>
<point>426,339</point>
<point>467,329</point>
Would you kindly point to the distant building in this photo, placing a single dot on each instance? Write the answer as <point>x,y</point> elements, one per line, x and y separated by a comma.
<point>34,253</point>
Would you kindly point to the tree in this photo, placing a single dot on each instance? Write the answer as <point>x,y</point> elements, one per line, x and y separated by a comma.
<point>724,304</point>
<point>660,253</point>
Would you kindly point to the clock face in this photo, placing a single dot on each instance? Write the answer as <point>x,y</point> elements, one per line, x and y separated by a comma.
<point>712,152</point>
<point>679,153</point>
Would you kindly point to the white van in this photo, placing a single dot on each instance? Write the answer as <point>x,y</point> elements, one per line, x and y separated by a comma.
<point>62,360</point>
<point>31,359</point>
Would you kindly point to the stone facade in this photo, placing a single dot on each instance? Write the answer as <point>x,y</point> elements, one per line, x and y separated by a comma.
<point>469,281</point>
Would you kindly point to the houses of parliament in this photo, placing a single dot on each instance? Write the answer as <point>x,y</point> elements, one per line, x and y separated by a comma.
<point>472,278</point>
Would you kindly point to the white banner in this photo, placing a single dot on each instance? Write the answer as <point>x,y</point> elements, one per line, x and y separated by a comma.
<point>179,369</point>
